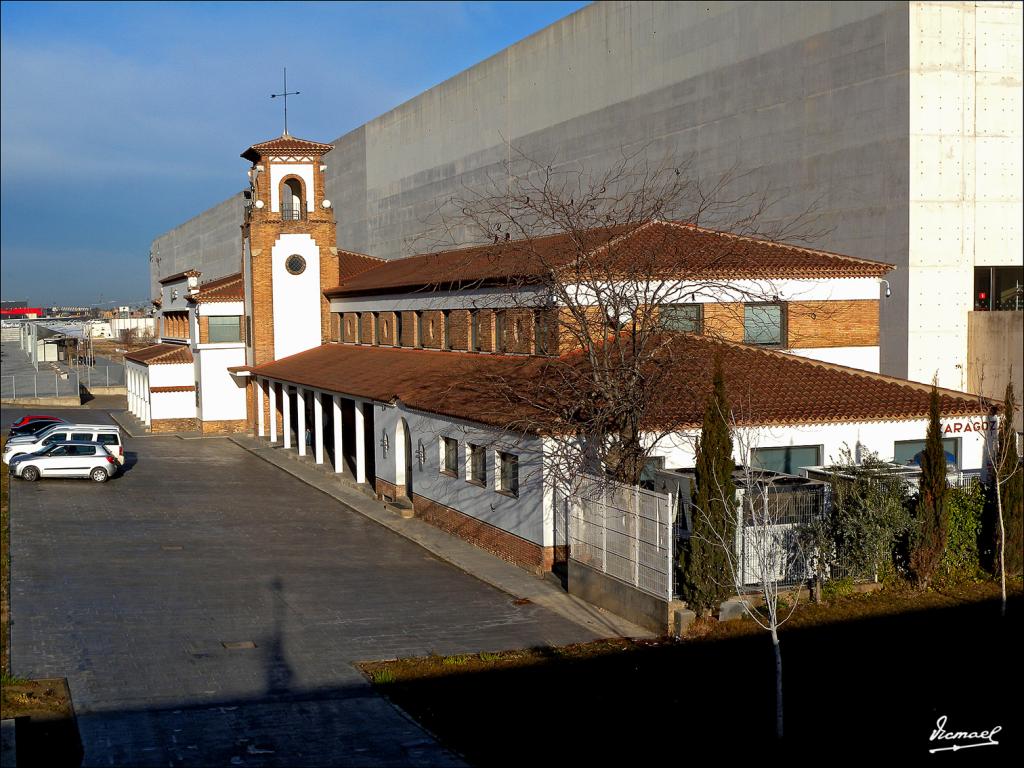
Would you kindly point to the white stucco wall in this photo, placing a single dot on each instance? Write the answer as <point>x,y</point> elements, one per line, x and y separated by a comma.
<point>222,396</point>
<point>279,171</point>
<point>177,375</point>
<point>221,309</point>
<point>865,358</point>
<point>522,516</point>
<point>296,297</point>
<point>173,405</point>
<point>878,437</point>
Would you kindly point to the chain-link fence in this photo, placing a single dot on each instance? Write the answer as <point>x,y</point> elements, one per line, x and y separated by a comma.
<point>101,375</point>
<point>43,384</point>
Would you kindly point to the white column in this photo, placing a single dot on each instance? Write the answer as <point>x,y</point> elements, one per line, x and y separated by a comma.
<point>360,443</point>
<point>300,418</point>
<point>259,407</point>
<point>336,413</point>
<point>273,411</point>
<point>286,414</point>
<point>131,392</point>
<point>318,426</point>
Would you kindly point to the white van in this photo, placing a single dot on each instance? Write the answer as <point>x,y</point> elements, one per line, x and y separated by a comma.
<point>107,435</point>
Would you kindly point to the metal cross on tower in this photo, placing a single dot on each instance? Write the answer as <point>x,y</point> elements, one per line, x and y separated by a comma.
<point>286,94</point>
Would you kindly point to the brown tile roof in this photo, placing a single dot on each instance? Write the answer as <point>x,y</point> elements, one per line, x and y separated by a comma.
<point>180,276</point>
<point>682,250</point>
<point>230,288</point>
<point>190,388</point>
<point>351,263</point>
<point>285,145</point>
<point>774,387</point>
<point>161,354</point>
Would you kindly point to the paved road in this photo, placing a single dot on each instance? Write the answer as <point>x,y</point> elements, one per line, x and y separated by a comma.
<point>130,590</point>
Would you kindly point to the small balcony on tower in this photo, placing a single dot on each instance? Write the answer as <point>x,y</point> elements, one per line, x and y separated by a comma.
<point>293,206</point>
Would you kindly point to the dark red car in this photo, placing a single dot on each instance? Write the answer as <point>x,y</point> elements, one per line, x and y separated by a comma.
<point>29,425</point>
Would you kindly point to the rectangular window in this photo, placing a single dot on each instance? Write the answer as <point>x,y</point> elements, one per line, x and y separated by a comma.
<point>499,330</point>
<point>108,440</point>
<point>998,289</point>
<point>764,325</point>
<point>474,330</point>
<point>681,317</point>
<point>398,329</point>
<point>378,326</point>
<point>476,460</point>
<point>450,456</point>
<point>248,330</point>
<point>508,473</point>
<point>418,341</point>
<point>446,342</point>
<point>789,459</point>
<point>908,452</point>
<point>225,329</point>
<point>86,436</point>
<point>359,328</point>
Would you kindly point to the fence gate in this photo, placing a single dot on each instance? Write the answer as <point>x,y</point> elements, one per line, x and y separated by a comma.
<point>624,532</point>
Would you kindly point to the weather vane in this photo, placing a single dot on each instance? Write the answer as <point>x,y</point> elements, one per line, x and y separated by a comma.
<point>286,94</point>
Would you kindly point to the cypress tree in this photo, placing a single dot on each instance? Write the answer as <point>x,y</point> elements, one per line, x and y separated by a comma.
<point>1010,476</point>
<point>705,579</point>
<point>930,511</point>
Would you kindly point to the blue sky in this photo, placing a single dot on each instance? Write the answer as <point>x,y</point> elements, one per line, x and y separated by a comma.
<point>121,120</point>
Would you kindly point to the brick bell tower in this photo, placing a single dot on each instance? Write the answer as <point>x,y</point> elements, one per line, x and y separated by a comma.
<point>289,249</point>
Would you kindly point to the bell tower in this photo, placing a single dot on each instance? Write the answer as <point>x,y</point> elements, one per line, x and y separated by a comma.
<point>289,248</point>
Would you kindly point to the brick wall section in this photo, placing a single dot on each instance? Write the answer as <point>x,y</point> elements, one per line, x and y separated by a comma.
<point>204,329</point>
<point>507,546</point>
<point>410,332</point>
<point>351,326</point>
<point>369,328</point>
<point>174,425</point>
<point>833,323</point>
<point>433,329</point>
<point>519,330</point>
<point>386,328</point>
<point>224,426</point>
<point>459,319</point>
<point>724,321</point>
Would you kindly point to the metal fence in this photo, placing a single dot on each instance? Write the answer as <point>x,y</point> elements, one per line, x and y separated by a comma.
<point>768,545</point>
<point>43,384</point>
<point>624,532</point>
<point>101,375</point>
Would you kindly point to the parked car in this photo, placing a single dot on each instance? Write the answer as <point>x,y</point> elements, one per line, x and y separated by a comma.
<point>107,435</point>
<point>33,417</point>
<point>66,459</point>
<point>31,425</point>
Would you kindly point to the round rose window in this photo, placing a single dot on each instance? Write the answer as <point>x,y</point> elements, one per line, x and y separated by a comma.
<point>295,264</point>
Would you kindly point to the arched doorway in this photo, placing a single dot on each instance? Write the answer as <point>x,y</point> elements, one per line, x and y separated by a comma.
<point>291,200</point>
<point>403,459</point>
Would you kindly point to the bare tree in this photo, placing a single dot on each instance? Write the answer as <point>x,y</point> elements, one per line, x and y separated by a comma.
<point>762,551</point>
<point>1004,483</point>
<point>598,270</point>
<point>127,336</point>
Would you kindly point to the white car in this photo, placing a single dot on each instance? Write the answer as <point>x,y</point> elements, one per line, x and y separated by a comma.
<point>67,459</point>
<point>105,434</point>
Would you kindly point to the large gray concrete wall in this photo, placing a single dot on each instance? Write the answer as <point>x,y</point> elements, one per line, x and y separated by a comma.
<point>210,242</point>
<point>811,97</point>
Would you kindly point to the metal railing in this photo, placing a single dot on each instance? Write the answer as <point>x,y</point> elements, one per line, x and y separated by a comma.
<point>292,214</point>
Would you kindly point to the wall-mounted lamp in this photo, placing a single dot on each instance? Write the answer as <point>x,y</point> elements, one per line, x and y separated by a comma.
<point>384,443</point>
<point>888,290</point>
<point>421,453</point>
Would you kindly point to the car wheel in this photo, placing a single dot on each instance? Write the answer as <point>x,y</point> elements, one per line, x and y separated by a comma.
<point>30,473</point>
<point>99,475</point>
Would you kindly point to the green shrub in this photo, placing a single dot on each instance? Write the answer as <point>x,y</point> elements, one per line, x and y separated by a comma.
<point>836,588</point>
<point>960,561</point>
<point>382,676</point>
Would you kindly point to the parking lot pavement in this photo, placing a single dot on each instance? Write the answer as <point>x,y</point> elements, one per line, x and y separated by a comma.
<point>206,608</point>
